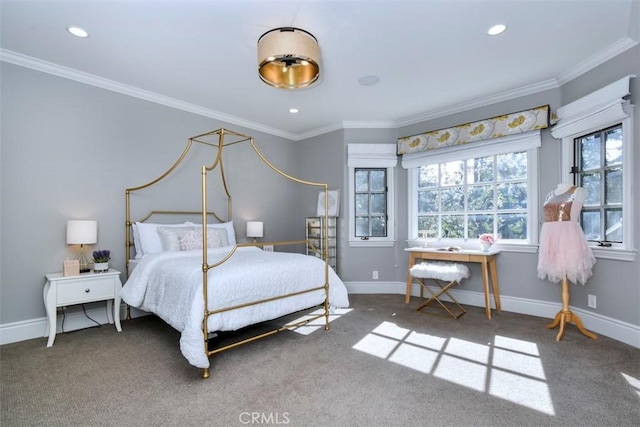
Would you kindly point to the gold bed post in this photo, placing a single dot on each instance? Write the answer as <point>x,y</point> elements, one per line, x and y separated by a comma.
<point>205,269</point>
<point>326,257</point>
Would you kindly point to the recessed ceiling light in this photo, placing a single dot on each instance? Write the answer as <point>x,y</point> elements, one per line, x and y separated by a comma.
<point>293,110</point>
<point>368,80</point>
<point>77,31</point>
<point>496,29</point>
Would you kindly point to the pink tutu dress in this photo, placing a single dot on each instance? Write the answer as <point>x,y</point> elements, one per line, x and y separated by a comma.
<point>564,251</point>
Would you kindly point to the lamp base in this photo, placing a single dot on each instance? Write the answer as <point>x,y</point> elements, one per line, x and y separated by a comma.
<point>82,259</point>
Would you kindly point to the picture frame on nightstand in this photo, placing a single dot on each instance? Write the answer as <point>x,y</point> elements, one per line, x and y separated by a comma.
<point>70,267</point>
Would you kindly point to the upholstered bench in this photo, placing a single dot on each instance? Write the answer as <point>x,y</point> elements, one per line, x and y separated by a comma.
<point>445,275</point>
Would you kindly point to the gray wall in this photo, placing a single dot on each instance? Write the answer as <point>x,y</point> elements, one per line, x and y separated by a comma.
<point>69,150</point>
<point>615,283</point>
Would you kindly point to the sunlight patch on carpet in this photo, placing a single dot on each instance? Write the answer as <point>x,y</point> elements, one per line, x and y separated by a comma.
<point>633,382</point>
<point>507,368</point>
<point>318,323</point>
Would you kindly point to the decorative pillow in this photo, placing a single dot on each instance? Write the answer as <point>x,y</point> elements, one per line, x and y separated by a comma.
<point>230,231</point>
<point>170,237</point>
<point>191,239</point>
<point>221,233</point>
<point>148,237</point>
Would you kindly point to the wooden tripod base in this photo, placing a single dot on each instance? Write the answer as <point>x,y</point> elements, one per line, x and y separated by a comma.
<point>565,315</point>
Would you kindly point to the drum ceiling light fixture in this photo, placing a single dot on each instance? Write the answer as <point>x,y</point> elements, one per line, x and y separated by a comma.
<point>288,58</point>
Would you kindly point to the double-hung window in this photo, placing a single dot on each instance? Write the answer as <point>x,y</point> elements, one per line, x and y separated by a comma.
<point>459,193</point>
<point>371,194</point>
<point>597,144</point>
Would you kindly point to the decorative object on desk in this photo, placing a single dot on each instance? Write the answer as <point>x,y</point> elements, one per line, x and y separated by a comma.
<point>70,267</point>
<point>450,249</point>
<point>82,233</point>
<point>486,241</point>
<point>101,260</point>
<point>333,203</point>
<point>255,229</point>
<point>423,236</point>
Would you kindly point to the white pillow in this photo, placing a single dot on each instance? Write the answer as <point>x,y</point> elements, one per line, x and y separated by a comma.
<point>228,226</point>
<point>136,241</point>
<point>149,238</point>
<point>191,238</point>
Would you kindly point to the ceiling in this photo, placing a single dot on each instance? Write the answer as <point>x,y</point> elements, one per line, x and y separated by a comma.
<point>433,57</point>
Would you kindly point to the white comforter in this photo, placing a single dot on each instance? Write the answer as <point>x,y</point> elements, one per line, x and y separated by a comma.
<point>169,284</point>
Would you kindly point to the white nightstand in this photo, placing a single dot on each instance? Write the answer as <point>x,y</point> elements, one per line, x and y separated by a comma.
<point>62,291</point>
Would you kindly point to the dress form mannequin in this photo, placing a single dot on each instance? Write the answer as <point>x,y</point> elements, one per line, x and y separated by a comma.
<point>578,198</point>
<point>564,249</point>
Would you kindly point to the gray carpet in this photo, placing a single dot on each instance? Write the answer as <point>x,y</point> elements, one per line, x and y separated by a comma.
<point>382,364</point>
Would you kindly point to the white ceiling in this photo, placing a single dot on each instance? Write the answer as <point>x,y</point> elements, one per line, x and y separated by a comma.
<point>433,57</point>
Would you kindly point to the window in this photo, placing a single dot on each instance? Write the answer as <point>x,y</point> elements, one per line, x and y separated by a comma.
<point>597,143</point>
<point>463,199</point>
<point>371,194</point>
<point>371,202</point>
<point>598,169</point>
<point>482,187</point>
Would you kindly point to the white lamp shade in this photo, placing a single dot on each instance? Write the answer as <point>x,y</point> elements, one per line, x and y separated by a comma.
<point>254,228</point>
<point>82,232</point>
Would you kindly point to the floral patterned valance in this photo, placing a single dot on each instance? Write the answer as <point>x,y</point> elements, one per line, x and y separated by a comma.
<point>495,127</point>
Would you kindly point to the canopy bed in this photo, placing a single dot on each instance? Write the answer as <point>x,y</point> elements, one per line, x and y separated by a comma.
<point>201,281</point>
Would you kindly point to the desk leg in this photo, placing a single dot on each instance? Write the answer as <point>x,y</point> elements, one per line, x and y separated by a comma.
<point>412,261</point>
<point>493,268</point>
<point>485,282</point>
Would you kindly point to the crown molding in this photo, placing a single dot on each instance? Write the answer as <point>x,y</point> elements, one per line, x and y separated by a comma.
<point>68,73</point>
<point>114,86</point>
<point>601,57</point>
<point>480,102</point>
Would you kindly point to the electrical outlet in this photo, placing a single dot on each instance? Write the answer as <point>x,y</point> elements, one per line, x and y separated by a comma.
<point>375,275</point>
<point>268,248</point>
<point>592,301</point>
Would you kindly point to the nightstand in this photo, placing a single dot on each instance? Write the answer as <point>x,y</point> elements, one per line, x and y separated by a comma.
<point>62,291</point>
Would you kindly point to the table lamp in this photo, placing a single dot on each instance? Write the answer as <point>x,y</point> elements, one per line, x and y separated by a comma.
<point>82,233</point>
<point>254,229</point>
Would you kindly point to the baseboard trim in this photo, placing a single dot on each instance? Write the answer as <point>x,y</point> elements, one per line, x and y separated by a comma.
<point>75,318</point>
<point>594,322</point>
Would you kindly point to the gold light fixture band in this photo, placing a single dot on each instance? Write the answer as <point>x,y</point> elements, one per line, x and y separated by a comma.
<point>288,58</point>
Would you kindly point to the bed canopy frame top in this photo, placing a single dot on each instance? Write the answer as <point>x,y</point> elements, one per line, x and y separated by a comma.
<point>218,140</point>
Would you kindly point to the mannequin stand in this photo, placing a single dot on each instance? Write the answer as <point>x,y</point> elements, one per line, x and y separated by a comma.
<point>566,316</point>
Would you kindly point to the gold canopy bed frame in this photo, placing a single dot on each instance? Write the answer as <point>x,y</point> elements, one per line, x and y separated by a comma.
<point>218,140</point>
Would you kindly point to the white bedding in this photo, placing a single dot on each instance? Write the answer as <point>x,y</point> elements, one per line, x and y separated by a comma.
<point>169,284</point>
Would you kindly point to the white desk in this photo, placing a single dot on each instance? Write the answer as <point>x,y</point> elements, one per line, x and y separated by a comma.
<point>487,260</point>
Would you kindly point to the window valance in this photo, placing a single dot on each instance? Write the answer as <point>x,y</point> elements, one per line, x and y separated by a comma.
<point>495,127</point>
<point>594,111</point>
<point>512,143</point>
<point>371,156</point>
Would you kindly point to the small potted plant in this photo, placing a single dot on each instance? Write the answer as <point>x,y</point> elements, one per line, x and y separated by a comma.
<point>101,260</point>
